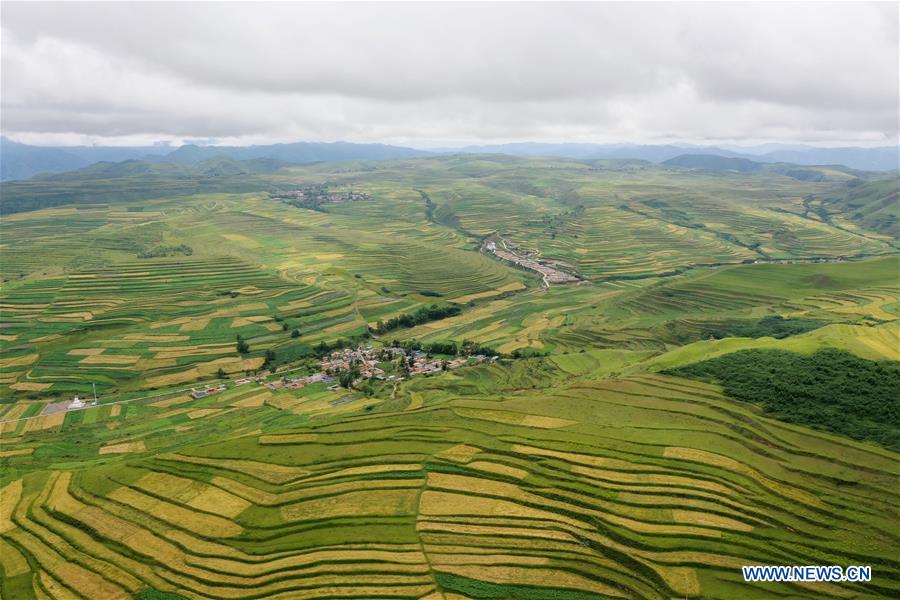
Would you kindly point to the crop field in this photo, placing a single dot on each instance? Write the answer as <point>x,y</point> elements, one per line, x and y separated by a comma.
<point>108,318</point>
<point>579,463</point>
<point>596,224</point>
<point>634,487</point>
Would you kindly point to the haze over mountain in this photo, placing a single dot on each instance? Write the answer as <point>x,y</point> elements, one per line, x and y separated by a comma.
<point>868,159</point>
<point>21,161</point>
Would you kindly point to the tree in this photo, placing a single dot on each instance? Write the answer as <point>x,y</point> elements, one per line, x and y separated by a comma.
<point>242,346</point>
<point>295,333</point>
<point>271,357</point>
<point>221,373</point>
<point>284,326</point>
<point>345,378</point>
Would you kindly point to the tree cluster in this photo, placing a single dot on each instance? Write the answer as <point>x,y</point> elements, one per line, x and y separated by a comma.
<point>448,348</point>
<point>830,389</point>
<point>160,251</point>
<point>423,315</point>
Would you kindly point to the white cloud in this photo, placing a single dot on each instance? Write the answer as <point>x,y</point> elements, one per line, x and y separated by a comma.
<point>436,73</point>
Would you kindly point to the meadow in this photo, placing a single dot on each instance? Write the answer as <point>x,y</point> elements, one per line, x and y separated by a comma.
<point>607,454</point>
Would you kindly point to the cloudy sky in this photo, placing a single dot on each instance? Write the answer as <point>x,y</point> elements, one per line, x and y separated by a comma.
<point>428,74</point>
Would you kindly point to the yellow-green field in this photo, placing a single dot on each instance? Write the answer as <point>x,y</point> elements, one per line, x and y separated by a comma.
<point>576,466</point>
<point>647,487</point>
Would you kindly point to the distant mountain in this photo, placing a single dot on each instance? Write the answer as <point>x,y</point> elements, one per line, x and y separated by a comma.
<point>712,162</point>
<point>18,161</point>
<point>655,154</point>
<point>868,159</point>
<point>21,161</point>
<point>136,180</point>
<point>818,173</point>
<point>885,158</point>
<point>217,166</point>
<point>298,153</point>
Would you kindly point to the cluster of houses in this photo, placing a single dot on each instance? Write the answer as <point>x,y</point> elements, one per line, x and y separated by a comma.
<point>209,390</point>
<point>363,363</point>
<point>295,383</point>
<point>366,360</point>
<point>351,196</point>
<point>549,273</point>
<point>320,195</point>
<point>290,195</point>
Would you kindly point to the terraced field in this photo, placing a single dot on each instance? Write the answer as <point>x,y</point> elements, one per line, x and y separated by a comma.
<point>102,316</point>
<point>570,468</point>
<point>639,487</point>
<point>132,331</point>
<point>596,223</point>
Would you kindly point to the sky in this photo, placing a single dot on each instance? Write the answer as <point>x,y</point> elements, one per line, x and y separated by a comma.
<point>436,74</point>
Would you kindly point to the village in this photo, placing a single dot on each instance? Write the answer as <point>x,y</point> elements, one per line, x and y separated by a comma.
<point>350,367</point>
<point>343,368</point>
<point>313,197</point>
<point>549,274</point>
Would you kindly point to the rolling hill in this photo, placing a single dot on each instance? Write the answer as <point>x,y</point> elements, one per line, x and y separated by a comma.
<point>616,436</point>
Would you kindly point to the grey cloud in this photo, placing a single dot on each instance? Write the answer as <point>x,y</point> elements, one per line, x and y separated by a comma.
<point>585,72</point>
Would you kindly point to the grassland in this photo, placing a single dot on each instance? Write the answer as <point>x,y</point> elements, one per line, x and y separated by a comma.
<point>580,472</point>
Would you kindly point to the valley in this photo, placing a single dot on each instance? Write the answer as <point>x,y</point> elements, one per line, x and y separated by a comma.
<point>466,376</point>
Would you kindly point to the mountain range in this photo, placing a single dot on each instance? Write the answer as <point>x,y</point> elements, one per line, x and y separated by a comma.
<point>22,161</point>
<point>884,158</point>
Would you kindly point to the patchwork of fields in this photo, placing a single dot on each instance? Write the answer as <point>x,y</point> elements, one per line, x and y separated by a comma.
<point>570,468</point>
<point>99,315</point>
<point>647,487</point>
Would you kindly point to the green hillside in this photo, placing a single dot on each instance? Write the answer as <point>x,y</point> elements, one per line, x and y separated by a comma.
<point>715,387</point>
<point>873,205</point>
